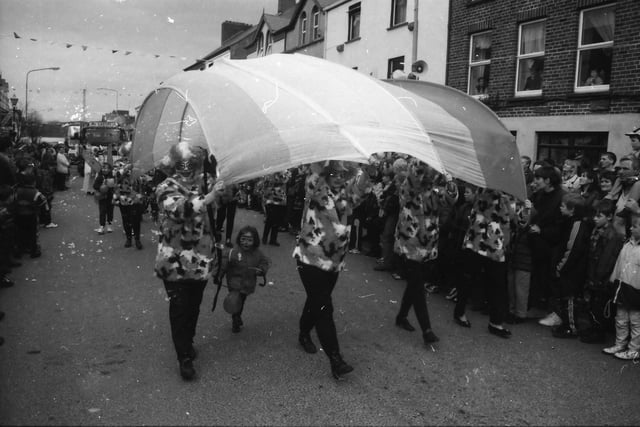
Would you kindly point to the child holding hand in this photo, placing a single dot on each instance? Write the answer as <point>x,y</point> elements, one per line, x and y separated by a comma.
<point>242,264</point>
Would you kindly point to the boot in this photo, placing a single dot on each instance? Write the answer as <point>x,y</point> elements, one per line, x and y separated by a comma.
<point>186,369</point>
<point>307,344</point>
<point>138,244</point>
<point>127,244</point>
<point>338,366</point>
<point>403,323</point>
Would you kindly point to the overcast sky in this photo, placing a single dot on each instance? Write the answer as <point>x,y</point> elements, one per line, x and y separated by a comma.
<point>79,36</point>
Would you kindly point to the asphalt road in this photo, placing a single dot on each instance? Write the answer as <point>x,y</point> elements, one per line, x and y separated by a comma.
<point>88,343</point>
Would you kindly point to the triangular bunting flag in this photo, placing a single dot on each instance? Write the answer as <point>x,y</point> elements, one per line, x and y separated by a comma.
<point>127,53</point>
<point>68,45</point>
<point>84,47</point>
<point>157,56</point>
<point>16,35</point>
<point>114,50</point>
<point>34,40</point>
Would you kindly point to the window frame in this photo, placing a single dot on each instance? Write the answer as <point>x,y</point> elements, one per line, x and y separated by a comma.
<point>593,46</point>
<point>303,28</point>
<point>394,10</point>
<point>545,146</point>
<point>524,56</point>
<point>268,43</point>
<point>315,23</point>
<point>260,45</point>
<point>353,12</point>
<point>481,63</point>
<point>391,61</point>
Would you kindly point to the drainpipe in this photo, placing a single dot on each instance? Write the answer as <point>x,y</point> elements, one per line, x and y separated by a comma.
<point>414,46</point>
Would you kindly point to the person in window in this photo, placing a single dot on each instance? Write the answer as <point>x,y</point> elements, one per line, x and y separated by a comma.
<point>534,81</point>
<point>481,86</point>
<point>593,79</point>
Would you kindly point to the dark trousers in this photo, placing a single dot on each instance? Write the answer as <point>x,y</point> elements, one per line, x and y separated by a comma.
<point>131,219</point>
<point>45,212</point>
<point>273,220</point>
<point>318,308</point>
<point>414,296</point>
<point>184,308</point>
<point>27,233</point>
<point>105,211</point>
<point>486,274</point>
<point>60,181</point>
<point>226,211</point>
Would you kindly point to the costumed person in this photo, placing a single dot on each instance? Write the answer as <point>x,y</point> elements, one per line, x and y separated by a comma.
<point>242,265</point>
<point>332,191</point>
<point>275,206</point>
<point>128,196</point>
<point>185,257</point>
<point>417,234</point>
<point>104,185</point>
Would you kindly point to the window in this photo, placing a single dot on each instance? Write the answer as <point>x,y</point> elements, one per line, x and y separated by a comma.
<point>396,63</point>
<point>530,58</point>
<point>398,12</point>
<point>595,49</point>
<point>354,22</point>
<point>268,44</point>
<point>559,146</point>
<point>479,64</point>
<point>260,46</point>
<point>303,28</point>
<point>316,22</point>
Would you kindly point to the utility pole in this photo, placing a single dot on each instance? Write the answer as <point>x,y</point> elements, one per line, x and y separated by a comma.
<point>84,103</point>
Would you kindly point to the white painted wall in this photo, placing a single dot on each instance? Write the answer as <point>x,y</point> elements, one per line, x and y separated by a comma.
<point>378,44</point>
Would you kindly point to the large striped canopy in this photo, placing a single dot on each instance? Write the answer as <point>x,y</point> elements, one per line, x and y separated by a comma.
<point>259,116</point>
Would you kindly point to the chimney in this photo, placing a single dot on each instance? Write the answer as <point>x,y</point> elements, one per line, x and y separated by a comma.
<point>285,4</point>
<point>230,29</point>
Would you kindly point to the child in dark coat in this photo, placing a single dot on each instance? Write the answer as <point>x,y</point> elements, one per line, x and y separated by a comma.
<point>28,203</point>
<point>242,265</point>
<point>570,264</point>
<point>604,246</point>
<point>104,185</point>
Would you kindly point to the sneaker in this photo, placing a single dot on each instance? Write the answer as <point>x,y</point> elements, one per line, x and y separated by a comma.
<point>429,337</point>
<point>432,289</point>
<point>552,319</point>
<point>51,225</point>
<point>452,294</point>
<point>127,243</point>
<point>109,229</point>
<point>100,230</point>
<point>627,355</point>
<point>615,349</point>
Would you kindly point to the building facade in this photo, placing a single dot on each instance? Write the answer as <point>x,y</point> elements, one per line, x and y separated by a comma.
<point>378,37</point>
<point>564,76</point>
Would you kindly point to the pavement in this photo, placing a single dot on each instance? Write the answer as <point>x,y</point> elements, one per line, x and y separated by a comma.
<point>87,342</point>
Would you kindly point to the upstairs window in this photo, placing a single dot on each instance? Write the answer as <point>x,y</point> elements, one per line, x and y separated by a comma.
<point>354,22</point>
<point>530,58</point>
<point>315,13</point>
<point>260,45</point>
<point>398,12</point>
<point>303,28</point>
<point>269,43</point>
<point>479,64</point>
<point>595,49</point>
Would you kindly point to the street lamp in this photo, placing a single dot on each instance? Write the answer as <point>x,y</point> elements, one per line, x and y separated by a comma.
<point>26,90</point>
<point>112,90</point>
<point>14,102</point>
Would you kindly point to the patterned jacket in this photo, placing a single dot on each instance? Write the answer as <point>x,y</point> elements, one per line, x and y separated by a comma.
<point>324,238</point>
<point>418,230</point>
<point>489,225</point>
<point>128,191</point>
<point>275,189</point>
<point>185,245</point>
<point>242,267</point>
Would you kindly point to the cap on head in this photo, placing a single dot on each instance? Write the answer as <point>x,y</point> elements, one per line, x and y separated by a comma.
<point>635,132</point>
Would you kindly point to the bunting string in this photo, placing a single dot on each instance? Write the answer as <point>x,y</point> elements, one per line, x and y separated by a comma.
<point>85,47</point>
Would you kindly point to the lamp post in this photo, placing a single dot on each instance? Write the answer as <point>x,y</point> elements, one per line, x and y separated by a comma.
<point>14,102</point>
<point>26,89</point>
<point>112,90</point>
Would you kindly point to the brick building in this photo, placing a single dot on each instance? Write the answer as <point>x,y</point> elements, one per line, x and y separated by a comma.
<point>563,75</point>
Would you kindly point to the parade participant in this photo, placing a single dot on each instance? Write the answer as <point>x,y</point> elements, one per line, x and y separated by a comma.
<point>184,261</point>
<point>104,185</point>
<point>62,169</point>
<point>485,246</point>
<point>242,265</point>
<point>332,192</point>
<point>29,201</point>
<point>275,206</point>
<point>127,195</point>
<point>227,203</point>
<point>417,235</point>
